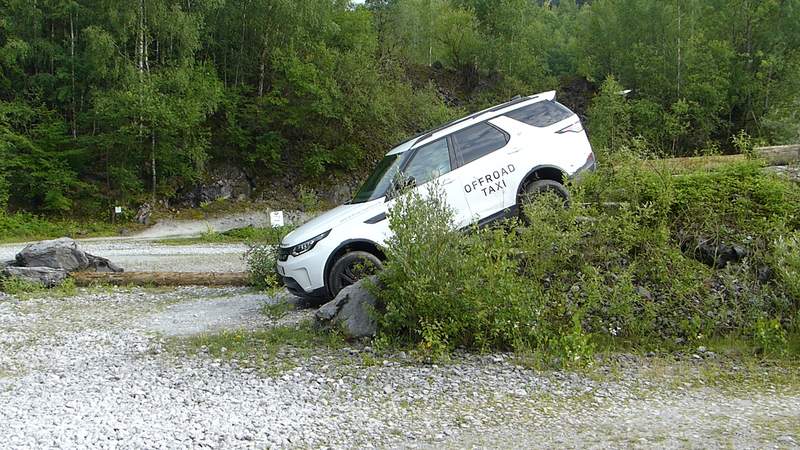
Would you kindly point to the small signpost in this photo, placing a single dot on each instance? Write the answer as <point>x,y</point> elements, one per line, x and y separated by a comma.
<point>276,219</point>
<point>117,211</point>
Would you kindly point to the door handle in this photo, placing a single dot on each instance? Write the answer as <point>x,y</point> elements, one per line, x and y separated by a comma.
<point>446,182</point>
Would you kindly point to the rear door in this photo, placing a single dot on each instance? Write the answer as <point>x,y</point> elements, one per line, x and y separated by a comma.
<point>483,171</point>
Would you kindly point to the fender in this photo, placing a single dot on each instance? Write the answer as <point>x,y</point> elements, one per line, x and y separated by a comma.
<point>540,167</point>
<point>335,253</point>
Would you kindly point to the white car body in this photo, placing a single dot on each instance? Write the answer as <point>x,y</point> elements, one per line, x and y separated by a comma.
<point>549,144</point>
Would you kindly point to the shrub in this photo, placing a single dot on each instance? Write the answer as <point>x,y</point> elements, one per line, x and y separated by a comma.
<point>262,252</point>
<point>261,261</point>
<point>21,226</point>
<point>786,254</point>
<point>598,271</point>
<point>445,289</point>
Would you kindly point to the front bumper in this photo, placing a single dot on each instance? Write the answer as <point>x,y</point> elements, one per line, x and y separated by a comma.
<point>303,275</point>
<point>294,288</point>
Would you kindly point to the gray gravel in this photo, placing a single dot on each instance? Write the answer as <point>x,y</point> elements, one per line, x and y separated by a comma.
<point>146,256</point>
<point>93,371</point>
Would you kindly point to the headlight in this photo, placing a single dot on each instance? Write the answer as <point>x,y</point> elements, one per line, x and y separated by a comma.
<point>303,247</point>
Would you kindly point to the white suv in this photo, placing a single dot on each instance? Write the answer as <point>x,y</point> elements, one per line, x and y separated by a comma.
<point>485,163</point>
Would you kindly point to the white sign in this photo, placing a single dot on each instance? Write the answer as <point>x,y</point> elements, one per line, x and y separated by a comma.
<point>276,219</point>
<point>118,210</point>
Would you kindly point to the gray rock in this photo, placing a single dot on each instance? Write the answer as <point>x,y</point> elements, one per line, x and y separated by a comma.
<point>100,264</point>
<point>62,253</point>
<point>338,194</point>
<point>43,275</point>
<point>143,214</point>
<point>714,254</point>
<point>644,293</point>
<point>223,182</point>
<point>353,310</point>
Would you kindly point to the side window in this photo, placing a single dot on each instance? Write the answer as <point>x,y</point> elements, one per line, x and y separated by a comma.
<point>430,161</point>
<point>540,114</point>
<point>478,141</point>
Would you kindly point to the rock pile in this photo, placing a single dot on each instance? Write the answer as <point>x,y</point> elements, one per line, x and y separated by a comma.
<point>352,311</point>
<point>49,262</point>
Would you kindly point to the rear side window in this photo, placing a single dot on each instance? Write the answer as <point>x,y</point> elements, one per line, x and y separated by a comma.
<point>477,141</point>
<point>540,114</point>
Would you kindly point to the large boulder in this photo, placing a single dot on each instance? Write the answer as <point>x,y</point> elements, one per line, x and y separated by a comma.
<point>352,311</point>
<point>63,254</point>
<point>42,275</point>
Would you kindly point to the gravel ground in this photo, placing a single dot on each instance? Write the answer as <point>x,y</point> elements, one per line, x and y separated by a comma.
<point>178,228</point>
<point>791,172</point>
<point>97,370</point>
<point>147,256</point>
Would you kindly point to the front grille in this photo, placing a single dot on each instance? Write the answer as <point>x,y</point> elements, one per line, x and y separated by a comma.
<point>283,253</point>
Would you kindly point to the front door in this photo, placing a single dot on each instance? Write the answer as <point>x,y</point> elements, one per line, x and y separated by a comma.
<point>433,163</point>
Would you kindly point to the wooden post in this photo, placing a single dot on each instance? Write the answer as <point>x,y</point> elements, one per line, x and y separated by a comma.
<point>162,278</point>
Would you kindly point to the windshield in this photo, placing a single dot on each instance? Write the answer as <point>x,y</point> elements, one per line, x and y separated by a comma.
<point>378,183</point>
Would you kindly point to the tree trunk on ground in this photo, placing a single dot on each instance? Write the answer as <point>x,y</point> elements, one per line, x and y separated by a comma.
<point>161,278</point>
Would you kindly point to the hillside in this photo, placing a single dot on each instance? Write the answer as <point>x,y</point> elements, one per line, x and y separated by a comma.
<point>107,103</point>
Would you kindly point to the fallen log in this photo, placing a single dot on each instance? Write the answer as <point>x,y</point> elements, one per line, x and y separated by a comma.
<point>781,155</point>
<point>162,278</point>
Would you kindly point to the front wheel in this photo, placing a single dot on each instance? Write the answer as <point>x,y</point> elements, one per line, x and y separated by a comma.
<point>539,187</point>
<point>351,267</point>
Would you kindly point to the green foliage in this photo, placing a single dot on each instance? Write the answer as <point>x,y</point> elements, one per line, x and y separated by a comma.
<point>786,254</point>
<point>23,289</point>
<point>102,106</point>
<point>261,263</point>
<point>20,287</point>
<point>262,254</point>
<point>613,267</point>
<point>259,349</point>
<point>770,336</point>
<point>610,117</point>
<point>21,227</point>
<point>308,199</point>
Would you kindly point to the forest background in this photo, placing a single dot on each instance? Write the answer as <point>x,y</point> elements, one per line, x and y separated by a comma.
<point>108,103</point>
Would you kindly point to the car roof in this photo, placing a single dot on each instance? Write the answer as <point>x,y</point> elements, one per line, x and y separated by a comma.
<point>472,119</point>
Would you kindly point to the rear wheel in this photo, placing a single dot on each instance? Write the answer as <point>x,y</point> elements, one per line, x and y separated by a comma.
<point>351,267</point>
<point>540,187</point>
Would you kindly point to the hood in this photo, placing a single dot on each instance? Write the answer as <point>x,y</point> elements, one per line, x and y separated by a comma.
<point>329,220</point>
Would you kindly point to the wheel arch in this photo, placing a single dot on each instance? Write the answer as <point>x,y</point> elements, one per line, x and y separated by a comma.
<point>542,172</point>
<point>350,245</point>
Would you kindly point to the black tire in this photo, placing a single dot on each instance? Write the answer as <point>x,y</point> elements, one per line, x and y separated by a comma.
<point>540,187</point>
<point>351,267</point>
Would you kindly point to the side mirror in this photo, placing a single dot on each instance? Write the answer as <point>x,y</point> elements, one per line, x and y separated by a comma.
<point>400,185</point>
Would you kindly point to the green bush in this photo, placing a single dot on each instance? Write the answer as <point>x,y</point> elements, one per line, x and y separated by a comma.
<point>261,260</point>
<point>262,253</point>
<point>786,253</point>
<point>445,289</point>
<point>19,227</point>
<point>613,267</point>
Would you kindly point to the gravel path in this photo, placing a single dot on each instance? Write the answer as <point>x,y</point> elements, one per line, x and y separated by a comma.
<point>147,256</point>
<point>96,370</point>
<point>185,228</point>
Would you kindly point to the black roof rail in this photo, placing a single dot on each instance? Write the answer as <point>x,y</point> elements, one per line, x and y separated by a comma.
<point>513,101</point>
<point>426,134</point>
